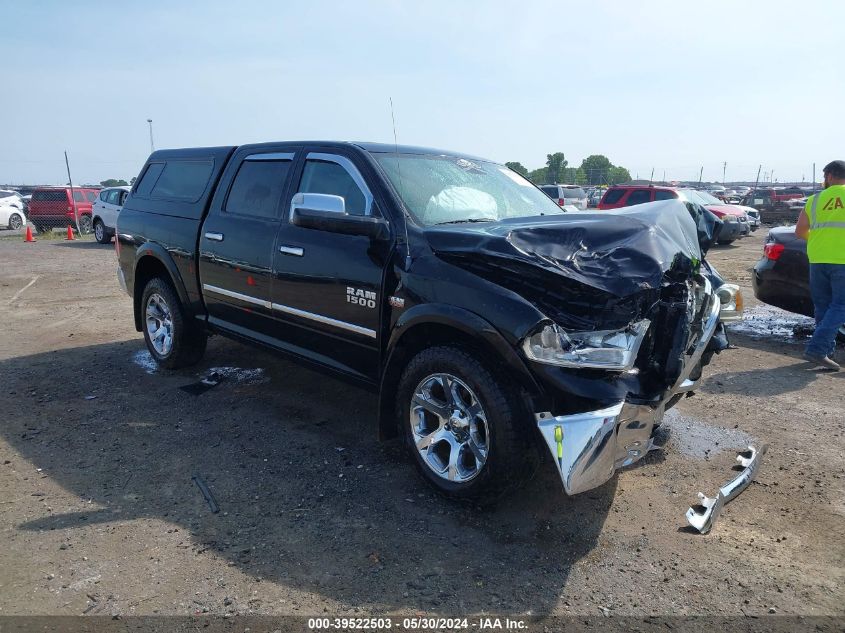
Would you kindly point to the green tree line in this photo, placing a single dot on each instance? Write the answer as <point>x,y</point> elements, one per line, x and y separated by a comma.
<point>594,170</point>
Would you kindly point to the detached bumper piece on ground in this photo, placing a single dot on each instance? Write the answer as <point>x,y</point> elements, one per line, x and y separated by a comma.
<point>703,516</point>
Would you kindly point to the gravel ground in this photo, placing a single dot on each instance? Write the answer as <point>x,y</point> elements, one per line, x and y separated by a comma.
<point>99,513</point>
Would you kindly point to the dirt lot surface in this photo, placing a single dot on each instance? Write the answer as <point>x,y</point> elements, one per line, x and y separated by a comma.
<point>99,513</point>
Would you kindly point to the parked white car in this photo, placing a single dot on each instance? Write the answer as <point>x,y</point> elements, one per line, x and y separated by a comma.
<point>11,210</point>
<point>106,208</point>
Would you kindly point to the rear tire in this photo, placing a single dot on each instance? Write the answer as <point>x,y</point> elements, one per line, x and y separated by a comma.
<point>85,226</point>
<point>172,339</point>
<point>100,232</point>
<point>484,448</point>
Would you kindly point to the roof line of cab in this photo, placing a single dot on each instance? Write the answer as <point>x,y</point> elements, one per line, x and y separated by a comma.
<point>372,148</point>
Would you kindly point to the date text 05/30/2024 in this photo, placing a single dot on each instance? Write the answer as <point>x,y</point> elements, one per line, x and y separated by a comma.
<point>423,623</point>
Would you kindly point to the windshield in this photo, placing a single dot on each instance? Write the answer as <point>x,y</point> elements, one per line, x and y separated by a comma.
<point>446,189</point>
<point>701,197</point>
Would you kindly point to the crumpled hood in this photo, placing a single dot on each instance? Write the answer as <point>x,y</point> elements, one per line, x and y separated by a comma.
<point>621,252</point>
<point>727,209</point>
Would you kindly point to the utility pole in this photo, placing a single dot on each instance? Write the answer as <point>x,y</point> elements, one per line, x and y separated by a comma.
<point>73,199</point>
<point>651,180</point>
<point>757,182</point>
<point>152,146</point>
<point>664,176</point>
<point>724,170</point>
<point>700,174</point>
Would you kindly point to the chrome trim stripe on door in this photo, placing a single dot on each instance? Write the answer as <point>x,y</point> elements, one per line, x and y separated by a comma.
<point>324,319</point>
<point>235,295</point>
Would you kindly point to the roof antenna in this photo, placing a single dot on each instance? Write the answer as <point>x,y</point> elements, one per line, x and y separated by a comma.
<point>401,186</point>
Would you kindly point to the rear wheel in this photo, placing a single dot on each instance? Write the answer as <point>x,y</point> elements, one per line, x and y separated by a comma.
<point>172,340</point>
<point>100,232</point>
<point>466,431</point>
<point>15,222</point>
<point>85,226</point>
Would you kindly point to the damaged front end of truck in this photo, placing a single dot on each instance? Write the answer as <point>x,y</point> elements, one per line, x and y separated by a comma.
<point>631,316</point>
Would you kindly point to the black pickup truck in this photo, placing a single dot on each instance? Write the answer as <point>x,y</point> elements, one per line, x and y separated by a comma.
<point>489,322</point>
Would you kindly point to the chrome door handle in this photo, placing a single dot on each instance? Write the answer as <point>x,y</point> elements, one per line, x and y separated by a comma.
<point>214,237</point>
<point>291,250</point>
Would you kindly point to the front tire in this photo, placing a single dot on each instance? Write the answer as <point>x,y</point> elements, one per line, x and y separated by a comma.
<point>172,340</point>
<point>15,221</point>
<point>100,232</point>
<point>466,431</point>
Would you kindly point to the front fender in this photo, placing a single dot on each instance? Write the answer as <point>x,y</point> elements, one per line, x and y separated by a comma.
<point>478,331</point>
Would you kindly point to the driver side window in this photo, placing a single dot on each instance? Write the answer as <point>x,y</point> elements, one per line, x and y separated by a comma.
<point>325,177</point>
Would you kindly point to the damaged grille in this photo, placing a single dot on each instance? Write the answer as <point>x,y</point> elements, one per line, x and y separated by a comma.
<point>676,326</point>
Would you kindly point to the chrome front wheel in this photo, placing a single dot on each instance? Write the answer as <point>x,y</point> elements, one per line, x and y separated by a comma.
<point>159,321</point>
<point>449,428</point>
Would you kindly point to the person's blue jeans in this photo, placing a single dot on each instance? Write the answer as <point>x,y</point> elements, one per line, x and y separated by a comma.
<point>827,287</point>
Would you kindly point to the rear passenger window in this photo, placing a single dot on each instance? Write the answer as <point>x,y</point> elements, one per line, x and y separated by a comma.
<point>148,180</point>
<point>665,195</point>
<point>638,196</point>
<point>258,187</point>
<point>112,196</point>
<point>50,196</point>
<point>77,196</point>
<point>613,196</point>
<point>331,178</point>
<point>182,180</point>
<point>550,191</point>
<point>91,196</point>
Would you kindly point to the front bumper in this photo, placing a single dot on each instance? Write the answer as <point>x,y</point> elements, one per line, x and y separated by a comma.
<point>588,448</point>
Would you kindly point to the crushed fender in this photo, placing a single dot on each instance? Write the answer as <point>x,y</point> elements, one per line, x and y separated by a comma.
<point>703,515</point>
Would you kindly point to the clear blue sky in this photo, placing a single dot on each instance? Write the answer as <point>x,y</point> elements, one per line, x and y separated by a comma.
<point>671,85</point>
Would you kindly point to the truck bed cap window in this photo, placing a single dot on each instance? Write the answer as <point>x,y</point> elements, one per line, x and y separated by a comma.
<point>182,180</point>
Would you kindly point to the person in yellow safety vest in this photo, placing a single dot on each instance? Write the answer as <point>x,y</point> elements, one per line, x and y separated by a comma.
<point>822,224</point>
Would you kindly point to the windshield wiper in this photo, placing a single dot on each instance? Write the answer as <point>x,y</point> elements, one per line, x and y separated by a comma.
<point>464,220</point>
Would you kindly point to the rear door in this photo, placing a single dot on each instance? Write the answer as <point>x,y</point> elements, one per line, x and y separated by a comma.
<point>328,286</point>
<point>106,206</point>
<point>237,240</point>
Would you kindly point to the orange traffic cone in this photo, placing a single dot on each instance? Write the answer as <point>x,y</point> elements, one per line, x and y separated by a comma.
<point>69,233</point>
<point>28,237</point>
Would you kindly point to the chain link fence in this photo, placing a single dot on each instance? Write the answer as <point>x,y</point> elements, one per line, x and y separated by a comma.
<point>58,208</point>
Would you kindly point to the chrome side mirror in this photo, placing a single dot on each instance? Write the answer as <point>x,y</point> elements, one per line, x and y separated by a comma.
<point>323,202</point>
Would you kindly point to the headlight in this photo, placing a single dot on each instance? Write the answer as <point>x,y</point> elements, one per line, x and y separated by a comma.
<point>730,296</point>
<point>729,219</point>
<point>602,349</point>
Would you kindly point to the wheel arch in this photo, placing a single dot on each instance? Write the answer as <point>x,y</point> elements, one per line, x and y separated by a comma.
<point>430,325</point>
<point>151,261</point>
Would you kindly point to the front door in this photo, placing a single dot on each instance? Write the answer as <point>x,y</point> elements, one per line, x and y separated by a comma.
<point>237,242</point>
<point>328,286</point>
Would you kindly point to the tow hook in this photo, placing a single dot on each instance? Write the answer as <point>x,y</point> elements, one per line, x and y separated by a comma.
<point>703,515</point>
